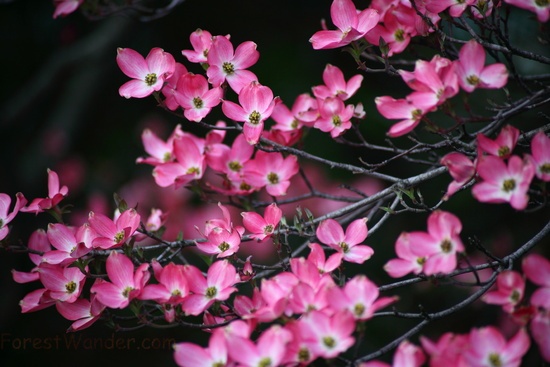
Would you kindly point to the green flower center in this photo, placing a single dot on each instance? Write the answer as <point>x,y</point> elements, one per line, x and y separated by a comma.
<point>399,35</point>
<point>544,168</point>
<point>446,246</point>
<point>119,237</point>
<point>336,120</point>
<point>254,117</point>
<point>224,246</point>
<point>472,80</point>
<point>126,292</point>
<point>235,166</point>
<point>494,360</point>
<point>150,79</point>
<point>70,287</point>
<point>211,292</point>
<point>303,355</point>
<point>329,341</point>
<point>416,114</point>
<point>421,260</point>
<point>268,229</point>
<point>228,68</point>
<point>542,3</point>
<point>197,102</point>
<point>264,362</point>
<point>193,171</point>
<point>515,296</point>
<point>273,178</point>
<point>503,151</point>
<point>359,309</point>
<point>344,246</point>
<point>509,185</point>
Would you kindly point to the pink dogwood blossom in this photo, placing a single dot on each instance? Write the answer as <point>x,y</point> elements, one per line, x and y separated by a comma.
<point>487,347</point>
<point>55,195</point>
<point>540,8</point>
<point>191,355</point>
<point>334,116</point>
<point>331,233</point>
<point>503,145</point>
<point>461,169</point>
<point>195,98</point>
<point>113,234</point>
<point>540,155</point>
<point>148,74</point>
<point>335,84</point>
<point>66,7</point>
<point>262,227</point>
<point>6,218</point>
<point>201,41</point>
<point>504,183</point>
<point>351,25</point>
<point>510,288</point>
<point>273,171</point>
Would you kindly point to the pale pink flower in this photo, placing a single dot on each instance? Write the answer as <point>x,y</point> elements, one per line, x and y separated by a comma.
<point>55,195</point>
<point>359,296</point>
<point>256,105</point>
<point>318,258</point>
<point>191,355</point>
<point>334,116</point>
<point>273,171</point>
<point>201,41</point>
<point>461,169</point>
<point>262,227</point>
<point>220,242</point>
<point>230,161</point>
<point>440,244</point>
<point>540,155</point>
<point>169,89</point>
<point>537,269</point>
<point>195,98</point>
<point>112,234</point>
<point>303,112</point>
<point>510,289</point>
<point>396,30</point>
<point>473,74</point>
<point>335,84</point>
<point>38,241</point>
<point>331,233</point>
<point>224,64</point>
<point>540,8</point>
<point>148,74</point>
<point>126,284</point>
<point>269,349</point>
<point>408,260</point>
<point>504,183</point>
<point>503,145</point>
<point>65,7</point>
<point>328,336</point>
<point>64,284</point>
<point>159,151</point>
<point>172,284</point>
<point>351,25</point>
<point>69,244</point>
<point>5,218</point>
<point>83,312</point>
<point>36,300</point>
<point>218,285</point>
<point>487,347</point>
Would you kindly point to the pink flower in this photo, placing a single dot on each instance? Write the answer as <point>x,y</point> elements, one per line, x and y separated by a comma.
<point>224,64</point>
<point>191,355</point>
<point>112,234</point>
<point>406,355</point>
<point>217,286</point>
<point>330,233</point>
<point>540,155</point>
<point>447,351</point>
<point>540,8</point>
<point>201,42</point>
<point>256,105</point>
<point>172,284</point>
<point>336,85</point>
<point>65,7</point>
<point>359,296</point>
<point>221,242</point>
<point>473,74</point>
<point>55,195</point>
<point>537,269</point>
<point>125,284</point>
<point>408,260</point>
<point>351,25</point>
<point>503,145</point>
<point>440,244</point>
<point>510,288</point>
<point>169,89</point>
<point>269,350</point>
<point>487,346</point>
<point>318,258</point>
<point>456,7</point>
<point>396,30</point>
<point>5,218</point>
<point>69,244</point>
<point>38,242</point>
<point>262,227</point>
<point>461,169</point>
<point>159,151</point>
<point>63,284</point>
<point>195,97</point>
<point>230,161</point>
<point>504,183</point>
<point>272,171</point>
<point>83,312</point>
<point>334,116</point>
<point>148,74</point>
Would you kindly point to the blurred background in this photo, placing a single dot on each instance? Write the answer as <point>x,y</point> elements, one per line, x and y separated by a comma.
<point>60,109</point>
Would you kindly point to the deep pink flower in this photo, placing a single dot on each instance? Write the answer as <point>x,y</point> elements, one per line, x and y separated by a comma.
<point>267,351</point>
<point>65,7</point>
<point>112,234</point>
<point>69,244</point>
<point>126,284</point>
<point>472,72</point>
<point>55,195</point>
<point>331,233</point>
<point>537,269</point>
<point>148,74</point>
<point>406,355</point>
<point>220,242</point>
<point>191,355</point>
<point>63,284</point>
<point>510,288</point>
<point>273,171</point>
<point>230,161</point>
<point>456,7</point>
<point>461,169</point>
<point>334,116</point>
<point>5,218</point>
<point>447,351</point>
<point>503,145</point>
<point>262,227</point>
<point>256,105</point>
<point>351,25</point>
<point>408,260</point>
<point>169,89</point>
<point>335,84</point>
<point>318,258</point>
<point>83,312</point>
<point>194,96</point>
<point>159,151</point>
<point>224,64</point>
<point>172,285</point>
<point>396,29</point>
<point>504,183</point>
<point>540,155</point>
<point>201,41</point>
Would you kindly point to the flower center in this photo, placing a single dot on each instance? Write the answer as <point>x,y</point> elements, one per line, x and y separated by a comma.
<point>358,309</point>
<point>268,229</point>
<point>472,80</point>
<point>244,186</point>
<point>399,35</point>
<point>515,296</point>
<point>126,292</point>
<point>494,360</point>
<point>70,287</point>
<point>254,117</point>
<point>503,151</point>
<point>303,355</point>
<point>509,185</point>
<point>197,102</point>
<point>119,237</point>
<point>416,114</point>
<point>329,341</point>
<point>264,362</point>
<point>150,79</point>
<point>273,178</point>
<point>224,246</point>
<point>211,292</point>
<point>176,293</point>
<point>544,168</point>
<point>228,68</point>
<point>167,157</point>
<point>193,171</point>
<point>336,120</point>
<point>542,3</point>
<point>421,260</point>
<point>446,246</point>
<point>235,166</point>
<point>294,124</point>
<point>344,246</point>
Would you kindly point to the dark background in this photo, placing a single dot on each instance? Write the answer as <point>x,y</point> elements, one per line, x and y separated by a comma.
<point>60,109</point>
